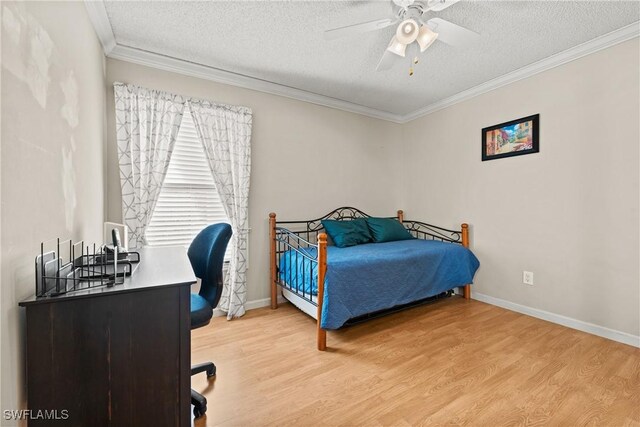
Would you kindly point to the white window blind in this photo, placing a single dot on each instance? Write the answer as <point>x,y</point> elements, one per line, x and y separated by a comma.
<point>188,200</point>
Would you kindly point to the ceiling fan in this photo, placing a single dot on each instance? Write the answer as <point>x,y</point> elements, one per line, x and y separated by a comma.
<point>412,28</point>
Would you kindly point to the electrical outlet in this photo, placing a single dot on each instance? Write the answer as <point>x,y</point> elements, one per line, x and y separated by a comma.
<point>527,278</point>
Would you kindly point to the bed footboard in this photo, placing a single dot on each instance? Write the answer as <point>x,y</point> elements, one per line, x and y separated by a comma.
<point>310,265</point>
<point>322,270</point>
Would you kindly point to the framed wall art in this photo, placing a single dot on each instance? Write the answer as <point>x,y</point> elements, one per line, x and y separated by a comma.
<point>513,138</point>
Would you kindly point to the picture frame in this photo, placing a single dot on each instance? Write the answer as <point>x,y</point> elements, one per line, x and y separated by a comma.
<point>512,138</point>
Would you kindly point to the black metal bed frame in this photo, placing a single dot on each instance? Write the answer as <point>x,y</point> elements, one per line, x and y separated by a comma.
<point>298,236</point>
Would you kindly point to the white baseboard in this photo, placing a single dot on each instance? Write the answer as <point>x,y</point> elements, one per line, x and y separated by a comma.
<point>250,305</point>
<point>569,322</point>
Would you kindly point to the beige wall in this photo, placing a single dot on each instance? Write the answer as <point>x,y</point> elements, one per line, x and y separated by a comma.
<point>569,214</point>
<point>52,165</point>
<point>306,160</point>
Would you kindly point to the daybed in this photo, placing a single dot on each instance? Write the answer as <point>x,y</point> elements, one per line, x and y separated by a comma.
<point>335,284</point>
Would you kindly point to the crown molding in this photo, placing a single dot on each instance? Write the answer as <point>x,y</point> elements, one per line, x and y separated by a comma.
<point>100,20</point>
<point>154,60</point>
<point>607,40</point>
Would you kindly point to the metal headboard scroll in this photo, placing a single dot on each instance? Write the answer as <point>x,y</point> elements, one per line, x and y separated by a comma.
<point>422,230</point>
<point>315,225</point>
<point>340,214</point>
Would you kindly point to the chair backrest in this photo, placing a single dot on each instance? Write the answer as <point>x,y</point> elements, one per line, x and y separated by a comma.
<point>206,254</point>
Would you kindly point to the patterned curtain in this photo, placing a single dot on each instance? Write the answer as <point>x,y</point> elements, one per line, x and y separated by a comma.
<point>147,123</point>
<point>225,132</point>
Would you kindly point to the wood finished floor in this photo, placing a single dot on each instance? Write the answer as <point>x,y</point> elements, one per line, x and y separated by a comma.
<point>449,363</point>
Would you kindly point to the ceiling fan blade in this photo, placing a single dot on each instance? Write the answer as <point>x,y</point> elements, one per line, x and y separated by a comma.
<point>352,30</point>
<point>438,5</point>
<point>387,61</point>
<point>452,34</point>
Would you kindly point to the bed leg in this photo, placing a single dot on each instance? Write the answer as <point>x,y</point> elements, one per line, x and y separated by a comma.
<point>272,239</point>
<point>322,338</point>
<point>465,243</point>
<point>322,269</point>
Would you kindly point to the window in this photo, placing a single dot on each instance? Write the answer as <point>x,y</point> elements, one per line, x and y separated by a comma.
<point>188,200</point>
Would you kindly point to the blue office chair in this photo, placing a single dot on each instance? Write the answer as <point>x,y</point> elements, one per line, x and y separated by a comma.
<point>206,254</point>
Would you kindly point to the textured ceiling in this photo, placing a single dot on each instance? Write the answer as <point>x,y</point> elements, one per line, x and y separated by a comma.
<point>283,42</point>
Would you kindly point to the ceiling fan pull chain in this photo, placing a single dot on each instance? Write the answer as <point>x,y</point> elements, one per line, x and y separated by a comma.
<point>413,62</point>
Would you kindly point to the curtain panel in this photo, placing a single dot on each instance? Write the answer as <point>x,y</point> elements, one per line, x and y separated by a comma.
<point>147,123</point>
<point>225,132</point>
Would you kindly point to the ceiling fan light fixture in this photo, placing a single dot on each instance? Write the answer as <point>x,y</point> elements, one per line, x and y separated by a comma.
<point>426,37</point>
<point>407,31</point>
<point>396,47</point>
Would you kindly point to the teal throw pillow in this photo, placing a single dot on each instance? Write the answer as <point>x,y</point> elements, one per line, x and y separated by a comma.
<point>347,232</point>
<point>387,230</point>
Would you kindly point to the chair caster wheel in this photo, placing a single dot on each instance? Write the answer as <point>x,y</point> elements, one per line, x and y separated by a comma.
<point>211,372</point>
<point>198,412</point>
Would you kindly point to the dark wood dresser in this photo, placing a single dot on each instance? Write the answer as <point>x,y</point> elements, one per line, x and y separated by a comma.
<point>116,356</point>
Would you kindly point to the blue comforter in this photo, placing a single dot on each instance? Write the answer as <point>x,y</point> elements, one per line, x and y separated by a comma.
<point>366,278</point>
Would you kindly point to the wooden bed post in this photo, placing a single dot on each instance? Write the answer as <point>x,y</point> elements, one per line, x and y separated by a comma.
<point>400,216</point>
<point>272,242</point>
<point>322,269</point>
<point>465,243</point>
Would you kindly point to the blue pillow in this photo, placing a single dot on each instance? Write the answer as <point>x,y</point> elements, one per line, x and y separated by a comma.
<point>347,232</point>
<point>387,230</point>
